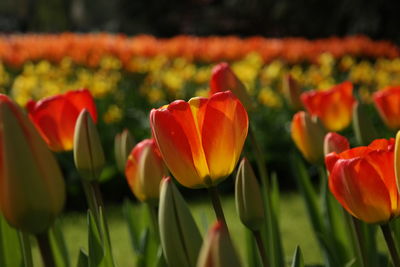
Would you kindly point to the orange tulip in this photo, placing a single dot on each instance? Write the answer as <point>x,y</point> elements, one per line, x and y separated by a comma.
<point>144,170</point>
<point>32,190</point>
<point>363,180</point>
<point>387,102</point>
<point>333,106</point>
<point>308,135</point>
<point>224,79</point>
<point>201,140</point>
<point>55,117</point>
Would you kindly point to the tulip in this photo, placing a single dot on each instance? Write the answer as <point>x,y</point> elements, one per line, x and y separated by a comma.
<point>291,91</point>
<point>397,160</point>
<point>249,201</point>
<point>334,142</point>
<point>333,106</point>
<point>363,180</point>
<point>123,144</point>
<point>88,151</point>
<point>224,79</point>
<point>32,189</point>
<point>308,135</point>
<point>217,249</point>
<point>144,170</point>
<point>387,103</point>
<point>55,117</point>
<point>179,235</point>
<point>201,140</point>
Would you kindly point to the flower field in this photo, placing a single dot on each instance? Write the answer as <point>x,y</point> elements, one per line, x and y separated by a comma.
<point>80,111</point>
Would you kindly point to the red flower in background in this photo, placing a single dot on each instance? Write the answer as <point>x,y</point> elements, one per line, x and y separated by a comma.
<point>363,180</point>
<point>334,107</point>
<point>55,117</point>
<point>387,102</point>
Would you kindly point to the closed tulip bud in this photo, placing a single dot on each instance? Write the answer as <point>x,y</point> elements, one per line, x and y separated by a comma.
<point>291,91</point>
<point>217,249</point>
<point>32,189</point>
<point>308,135</point>
<point>123,144</point>
<point>249,201</point>
<point>144,170</point>
<point>88,152</point>
<point>334,142</point>
<point>179,235</point>
<point>397,160</point>
<point>364,130</point>
<point>224,79</point>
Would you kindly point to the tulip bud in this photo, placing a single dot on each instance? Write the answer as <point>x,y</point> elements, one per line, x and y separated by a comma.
<point>88,152</point>
<point>308,135</point>
<point>144,170</point>
<point>123,144</point>
<point>334,142</point>
<point>32,189</point>
<point>249,201</point>
<point>364,130</point>
<point>217,249</point>
<point>224,79</point>
<point>179,235</point>
<point>291,91</point>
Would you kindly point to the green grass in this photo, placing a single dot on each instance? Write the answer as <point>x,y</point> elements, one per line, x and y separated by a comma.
<point>294,225</point>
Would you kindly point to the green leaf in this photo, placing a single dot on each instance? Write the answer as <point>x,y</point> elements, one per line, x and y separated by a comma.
<point>96,252</point>
<point>58,245</point>
<point>297,258</point>
<point>253,257</point>
<point>10,247</point>
<point>107,173</point>
<point>134,219</point>
<point>83,259</point>
<point>275,194</point>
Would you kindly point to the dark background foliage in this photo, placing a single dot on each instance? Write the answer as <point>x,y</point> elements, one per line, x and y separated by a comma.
<point>164,18</point>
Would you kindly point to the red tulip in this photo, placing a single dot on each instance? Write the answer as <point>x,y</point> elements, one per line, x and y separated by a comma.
<point>201,140</point>
<point>333,106</point>
<point>334,142</point>
<point>144,170</point>
<point>55,117</point>
<point>363,180</point>
<point>224,79</point>
<point>387,102</point>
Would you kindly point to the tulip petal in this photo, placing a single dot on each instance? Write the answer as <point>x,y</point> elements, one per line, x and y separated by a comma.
<point>224,131</point>
<point>172,141</point>
<point>387,102</point>
<point>357,186</point>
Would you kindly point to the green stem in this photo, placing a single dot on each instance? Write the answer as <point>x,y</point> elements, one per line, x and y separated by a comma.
<point>91,199</point>
<point>154,219</point>
<point>261,247</point>
<point>356,227</point>
<point>26,249</point>
<point>217,205</point>
<point>390,244</point>
<point>356,238</point>
<point>45,249</point>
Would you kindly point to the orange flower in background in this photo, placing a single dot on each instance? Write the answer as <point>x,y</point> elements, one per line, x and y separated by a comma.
<point>55,117</point>
<point>387,102</point>
<point>363,180</point>
<point>144,170</point>
<point>308,135</point>
<point>333,106</point>
<point>201,140</point>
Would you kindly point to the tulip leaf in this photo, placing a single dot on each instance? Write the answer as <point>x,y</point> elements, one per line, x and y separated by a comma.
<point>83,259</point>
<point>275,193</point>
<point>297,258</point>
<point>58,245</point>
<point>96,253</point>
<point>10,247</point>
<point>253,257</point>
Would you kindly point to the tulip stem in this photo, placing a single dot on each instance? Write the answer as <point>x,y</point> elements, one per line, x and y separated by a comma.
<point>357,238</point>
<point>261,247</point>
<point>45,249</point>
<point>259,157</point>
<point>217,205</point>
<point>387,233</point>
<point>154,220</point>
<point>26,249</point>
